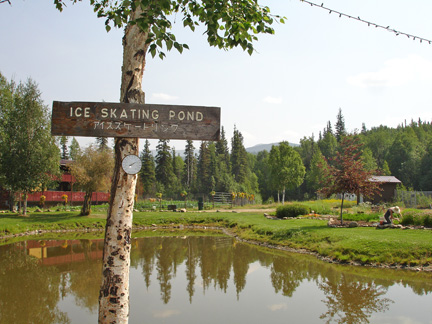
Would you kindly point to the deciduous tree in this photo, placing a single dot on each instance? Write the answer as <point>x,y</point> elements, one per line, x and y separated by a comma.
<point>92,170</point>
<point>347,172</point>
<point>29,156</point>
<point>74,149</point>
<point>286,167</point>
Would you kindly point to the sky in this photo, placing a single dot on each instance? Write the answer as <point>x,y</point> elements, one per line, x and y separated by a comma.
<point>290,88</point>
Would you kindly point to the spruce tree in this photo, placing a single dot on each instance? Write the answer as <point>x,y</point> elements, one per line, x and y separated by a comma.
<point>164,168</point>
<point>222,150</point>
<point>64,148</point>
<point>147,173</point>
<point>238,157</point>
<point>203,169</point>
<point>340,126</point>
<point>190,166</point>
<point>102,143</point>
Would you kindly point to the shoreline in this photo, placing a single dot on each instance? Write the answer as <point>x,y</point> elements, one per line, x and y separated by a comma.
<point>235,236</point>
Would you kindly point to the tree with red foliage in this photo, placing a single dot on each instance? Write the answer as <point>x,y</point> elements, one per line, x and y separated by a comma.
<point>346,172</point>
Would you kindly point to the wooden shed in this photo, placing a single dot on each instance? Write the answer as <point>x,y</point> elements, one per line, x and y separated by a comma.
<point>388,185</point>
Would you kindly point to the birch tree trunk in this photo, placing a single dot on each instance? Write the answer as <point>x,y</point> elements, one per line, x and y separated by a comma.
<point>283,196</point>
<point>114,292</point>
<point>341,209</point>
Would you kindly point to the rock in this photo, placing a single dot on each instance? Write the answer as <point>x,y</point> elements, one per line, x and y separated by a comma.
<point>38,210</point>
<point>353,224</point>
<point>332,222</point>
<point>271,217</point>
<point>234,211</point>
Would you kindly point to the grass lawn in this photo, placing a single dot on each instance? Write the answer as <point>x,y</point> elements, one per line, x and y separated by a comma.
<point>361,244</point>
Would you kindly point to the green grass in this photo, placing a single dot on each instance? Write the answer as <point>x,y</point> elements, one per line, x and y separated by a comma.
<point>364,245</point>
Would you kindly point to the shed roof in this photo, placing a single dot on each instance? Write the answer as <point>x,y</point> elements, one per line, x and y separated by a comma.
<point>386,179</point>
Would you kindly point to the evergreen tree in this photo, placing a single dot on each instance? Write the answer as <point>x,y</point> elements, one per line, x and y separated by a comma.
<point>102,143</point>
<point>164,167</point>
<point>64,148</point>
<point>148,173</point>
<point>222,150</point>
<point>190,166</point>
<point>238,157</point>
<point>340,126</point>
<point>74,149</point>
<point>262,171</point>
<point>203,171</point>
<point>175,170</point>
<point>425,182</point>
<point>328,129</point>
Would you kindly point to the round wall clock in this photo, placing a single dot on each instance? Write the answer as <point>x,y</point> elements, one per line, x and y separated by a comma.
<point>131,164</point>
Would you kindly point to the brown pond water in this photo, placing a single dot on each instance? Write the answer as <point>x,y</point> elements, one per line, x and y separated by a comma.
<point>208,279</point>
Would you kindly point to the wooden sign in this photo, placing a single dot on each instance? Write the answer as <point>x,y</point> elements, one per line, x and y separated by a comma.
<point>103,119</point>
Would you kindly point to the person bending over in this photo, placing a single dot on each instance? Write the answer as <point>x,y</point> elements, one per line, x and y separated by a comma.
<point>389,214</point>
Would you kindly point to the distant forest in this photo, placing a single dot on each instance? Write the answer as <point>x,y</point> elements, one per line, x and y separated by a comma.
<point>404,152</point>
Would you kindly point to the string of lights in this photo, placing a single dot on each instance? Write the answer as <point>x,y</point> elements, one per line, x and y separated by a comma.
<point>387,28</point>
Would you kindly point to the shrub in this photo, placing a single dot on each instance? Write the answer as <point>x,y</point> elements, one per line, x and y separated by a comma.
<point>427,221</point>
<point>407,219</point>
<point>291,210</point>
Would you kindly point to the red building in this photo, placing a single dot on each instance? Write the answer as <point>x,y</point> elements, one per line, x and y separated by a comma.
<point>54,197</point>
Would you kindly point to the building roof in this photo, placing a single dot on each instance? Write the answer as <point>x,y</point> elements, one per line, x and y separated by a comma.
<point>385,179</point>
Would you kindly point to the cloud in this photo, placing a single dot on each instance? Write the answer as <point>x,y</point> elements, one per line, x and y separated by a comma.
<point>396,72</point>
<point>166,313</point>
<point>273,100</point>
<point>276,307</point>
<point>254,267</point>
<point>163,96</point>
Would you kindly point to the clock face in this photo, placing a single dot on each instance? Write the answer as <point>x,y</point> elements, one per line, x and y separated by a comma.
<point>131,164</point>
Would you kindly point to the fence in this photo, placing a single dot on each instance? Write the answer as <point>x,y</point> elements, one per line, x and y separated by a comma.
<point>223,198</point>
<point>415,199</point>
<point>56,196</point>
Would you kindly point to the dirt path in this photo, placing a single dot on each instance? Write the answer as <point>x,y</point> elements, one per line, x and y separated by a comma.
<point>241,210</point>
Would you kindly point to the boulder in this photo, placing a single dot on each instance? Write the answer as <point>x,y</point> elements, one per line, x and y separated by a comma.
<point>353,224</point>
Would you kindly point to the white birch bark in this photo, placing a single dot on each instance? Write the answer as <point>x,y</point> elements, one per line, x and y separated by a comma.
<point>114,292</point>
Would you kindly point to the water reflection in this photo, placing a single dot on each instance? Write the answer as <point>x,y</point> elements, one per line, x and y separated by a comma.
<point>351,301</point>
<point>58,282</point>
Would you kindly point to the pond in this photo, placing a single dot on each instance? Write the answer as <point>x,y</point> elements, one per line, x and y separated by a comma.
<point>205,279</point>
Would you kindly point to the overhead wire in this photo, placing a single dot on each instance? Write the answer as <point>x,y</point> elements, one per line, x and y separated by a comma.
<point>369,23</point>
